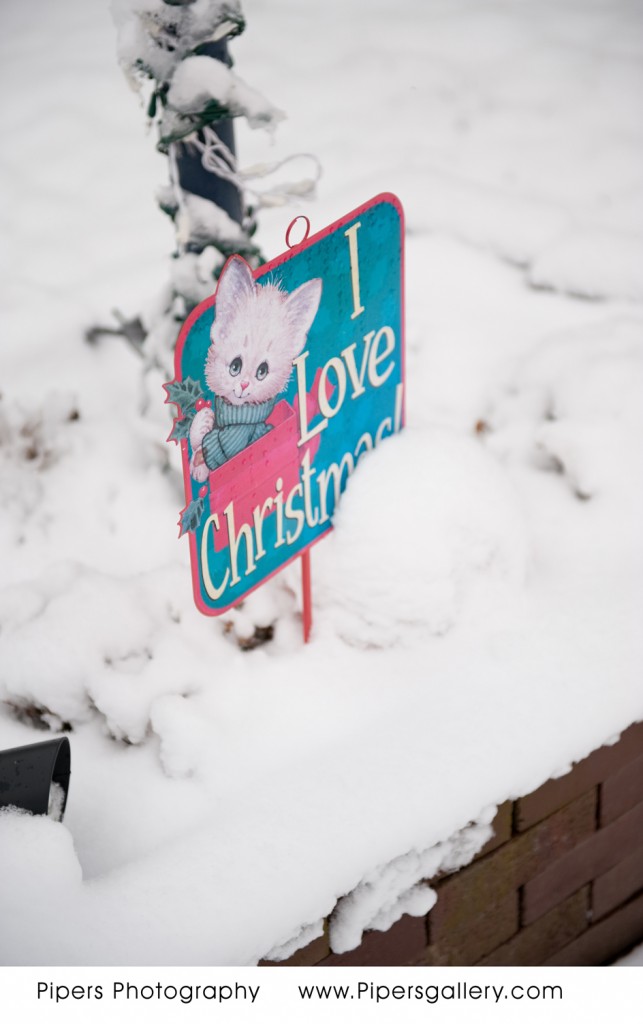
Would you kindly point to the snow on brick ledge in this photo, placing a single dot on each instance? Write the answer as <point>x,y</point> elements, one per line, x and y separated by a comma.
<point>559,883</point>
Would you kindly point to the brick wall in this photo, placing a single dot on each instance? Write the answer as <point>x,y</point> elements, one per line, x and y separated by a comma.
<point>560,882</point>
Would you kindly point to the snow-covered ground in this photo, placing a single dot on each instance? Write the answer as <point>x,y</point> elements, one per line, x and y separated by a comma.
<point>222,799</point>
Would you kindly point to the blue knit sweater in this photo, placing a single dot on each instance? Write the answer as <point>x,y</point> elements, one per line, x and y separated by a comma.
<point>237,426</point>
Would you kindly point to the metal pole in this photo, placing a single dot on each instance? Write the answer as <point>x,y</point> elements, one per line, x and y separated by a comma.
<point>307,595</point>
<point>193,176</point>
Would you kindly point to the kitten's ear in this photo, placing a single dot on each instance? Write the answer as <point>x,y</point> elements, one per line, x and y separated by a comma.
<point>235,285</point>
<point>301,309</point>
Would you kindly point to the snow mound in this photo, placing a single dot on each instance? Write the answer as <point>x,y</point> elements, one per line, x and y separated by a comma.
<point>419,524</point>
<point>38,855</point>
<point>575,407</point>
<point>513,227</point>
<point>597,263</point>
<point>128,646</point>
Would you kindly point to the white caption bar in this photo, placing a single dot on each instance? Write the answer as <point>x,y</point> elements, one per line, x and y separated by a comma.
<point>285,995</point>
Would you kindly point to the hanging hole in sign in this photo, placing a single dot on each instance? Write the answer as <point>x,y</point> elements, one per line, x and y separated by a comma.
<point>291,245</point>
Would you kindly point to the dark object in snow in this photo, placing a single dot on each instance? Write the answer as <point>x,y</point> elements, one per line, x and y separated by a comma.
<point>132,330</point>
<point>262,635</point>
<point>36,777</point>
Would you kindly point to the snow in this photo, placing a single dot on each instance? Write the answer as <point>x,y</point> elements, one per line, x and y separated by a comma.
<point>222,800</point>
<point>461,522</point>
<point>152,27</point>
<point>204,219</point>
<point>56,805</point>
<point>304,937</point>
<point>598,263</point>
<point>397,888</point>
<point>199,80</point>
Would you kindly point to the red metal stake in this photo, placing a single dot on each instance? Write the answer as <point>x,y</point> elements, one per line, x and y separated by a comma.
<point>307,595</point>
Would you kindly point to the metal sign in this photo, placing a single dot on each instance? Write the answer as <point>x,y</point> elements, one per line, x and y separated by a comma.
<point>285,379</point>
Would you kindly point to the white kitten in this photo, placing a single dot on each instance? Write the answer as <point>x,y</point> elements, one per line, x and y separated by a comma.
<point>257,332</point>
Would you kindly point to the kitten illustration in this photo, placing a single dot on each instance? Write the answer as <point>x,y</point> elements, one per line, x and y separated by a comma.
<point>257,332</point>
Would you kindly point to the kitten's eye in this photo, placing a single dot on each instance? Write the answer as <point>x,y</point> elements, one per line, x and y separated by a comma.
<point>235,366</point>
<point>262,370</point>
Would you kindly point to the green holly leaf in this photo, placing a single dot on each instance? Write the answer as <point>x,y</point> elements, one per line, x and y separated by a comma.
<point>191,516</point>
<point>181,429</point>
<point>185,394</point>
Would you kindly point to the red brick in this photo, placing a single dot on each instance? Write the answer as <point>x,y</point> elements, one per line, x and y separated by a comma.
<point>478,907</point>
<point>622,791</point>
<point>502,825</point>
<point>591,858</point>
<point>605,941</point>
<point>616,886</point>
<point>308,956</point>
<point>586,773</point>
<point>534,944</point>
<point>404,942</point>
<point>473,889</point>
<point>463,939</point>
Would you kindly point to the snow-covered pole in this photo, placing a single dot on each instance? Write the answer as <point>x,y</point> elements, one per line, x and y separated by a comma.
<point>192,175</point>
<point>177,51</point>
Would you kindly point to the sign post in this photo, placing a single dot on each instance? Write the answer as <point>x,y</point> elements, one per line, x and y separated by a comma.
<point>307,595</point>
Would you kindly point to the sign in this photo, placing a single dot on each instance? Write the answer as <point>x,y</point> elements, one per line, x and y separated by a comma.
<point>285,378</point>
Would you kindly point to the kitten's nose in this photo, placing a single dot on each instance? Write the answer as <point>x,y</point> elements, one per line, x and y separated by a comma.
<point>245,384</point>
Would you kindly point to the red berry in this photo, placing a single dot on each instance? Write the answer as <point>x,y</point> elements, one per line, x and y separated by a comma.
<point>203,491</point>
